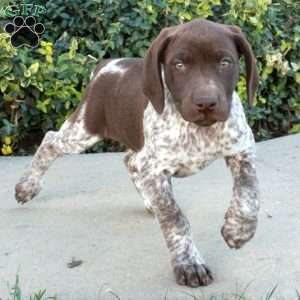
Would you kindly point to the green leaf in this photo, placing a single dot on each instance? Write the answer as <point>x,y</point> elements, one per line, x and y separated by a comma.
<point>3,85</point>
<point>27,73</point>
<point>34,68</point>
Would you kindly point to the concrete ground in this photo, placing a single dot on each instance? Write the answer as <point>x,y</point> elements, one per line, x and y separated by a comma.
<point>90,211</point>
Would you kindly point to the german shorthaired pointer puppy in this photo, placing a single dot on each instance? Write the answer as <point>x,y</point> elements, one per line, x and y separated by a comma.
<point>176,110</point>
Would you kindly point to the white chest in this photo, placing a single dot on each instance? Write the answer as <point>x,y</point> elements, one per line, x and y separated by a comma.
<point>183,148</point>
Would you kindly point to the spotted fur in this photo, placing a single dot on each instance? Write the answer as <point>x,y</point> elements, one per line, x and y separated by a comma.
<point>174,147</point>
<point>72,138</point>
<point>169,147</point>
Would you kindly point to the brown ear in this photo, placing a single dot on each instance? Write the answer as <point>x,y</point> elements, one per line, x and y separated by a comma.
<point>245,49</point>
<point>151,80</point>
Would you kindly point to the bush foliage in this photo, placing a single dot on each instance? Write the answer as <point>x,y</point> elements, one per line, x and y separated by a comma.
<point>40,87</point>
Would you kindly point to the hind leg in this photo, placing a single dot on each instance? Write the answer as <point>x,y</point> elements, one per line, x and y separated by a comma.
<point>71,138</point>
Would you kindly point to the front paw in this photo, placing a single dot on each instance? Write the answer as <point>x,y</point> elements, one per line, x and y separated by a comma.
<point>26,189</point>
<point>238,230</point>
<point>192,274</point>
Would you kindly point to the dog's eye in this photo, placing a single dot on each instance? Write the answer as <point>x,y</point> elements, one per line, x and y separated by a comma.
<point>225,62</point>
<point>179,66</point>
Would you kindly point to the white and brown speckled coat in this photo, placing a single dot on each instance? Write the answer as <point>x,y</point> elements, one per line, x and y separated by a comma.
<point>177,111</point>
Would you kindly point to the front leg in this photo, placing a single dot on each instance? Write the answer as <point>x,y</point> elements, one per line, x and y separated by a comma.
<point>241,217</point>
<point>188,265</point>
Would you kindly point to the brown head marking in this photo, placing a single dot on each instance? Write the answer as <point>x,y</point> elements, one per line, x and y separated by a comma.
<point>201,68</point>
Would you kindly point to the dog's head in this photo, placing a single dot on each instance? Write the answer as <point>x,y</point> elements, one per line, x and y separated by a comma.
<point>200,62</point>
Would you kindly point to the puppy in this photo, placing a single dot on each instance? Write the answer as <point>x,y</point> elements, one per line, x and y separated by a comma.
<point>177,111</point>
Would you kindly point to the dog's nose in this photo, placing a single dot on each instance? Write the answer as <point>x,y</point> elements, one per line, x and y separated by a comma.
<point>206,103</point>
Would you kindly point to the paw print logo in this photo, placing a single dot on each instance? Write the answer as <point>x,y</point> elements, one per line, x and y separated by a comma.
<point>24,32</point>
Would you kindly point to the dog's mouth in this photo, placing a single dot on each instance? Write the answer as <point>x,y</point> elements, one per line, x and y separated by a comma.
<point>200,119</point>
<point>205,119</point>
<point>208,119</point>
<point>205,122</point>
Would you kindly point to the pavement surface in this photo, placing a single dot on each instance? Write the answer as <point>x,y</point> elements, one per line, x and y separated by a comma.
<point>89,211</point>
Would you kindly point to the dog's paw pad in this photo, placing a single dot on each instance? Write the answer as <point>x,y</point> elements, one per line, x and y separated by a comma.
<point>26,190</point>
<point>236,234</point>
<point>193,275</point>
<point>24,32</point>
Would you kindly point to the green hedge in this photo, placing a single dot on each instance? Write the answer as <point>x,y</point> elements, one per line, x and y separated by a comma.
<point>40,88</point>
